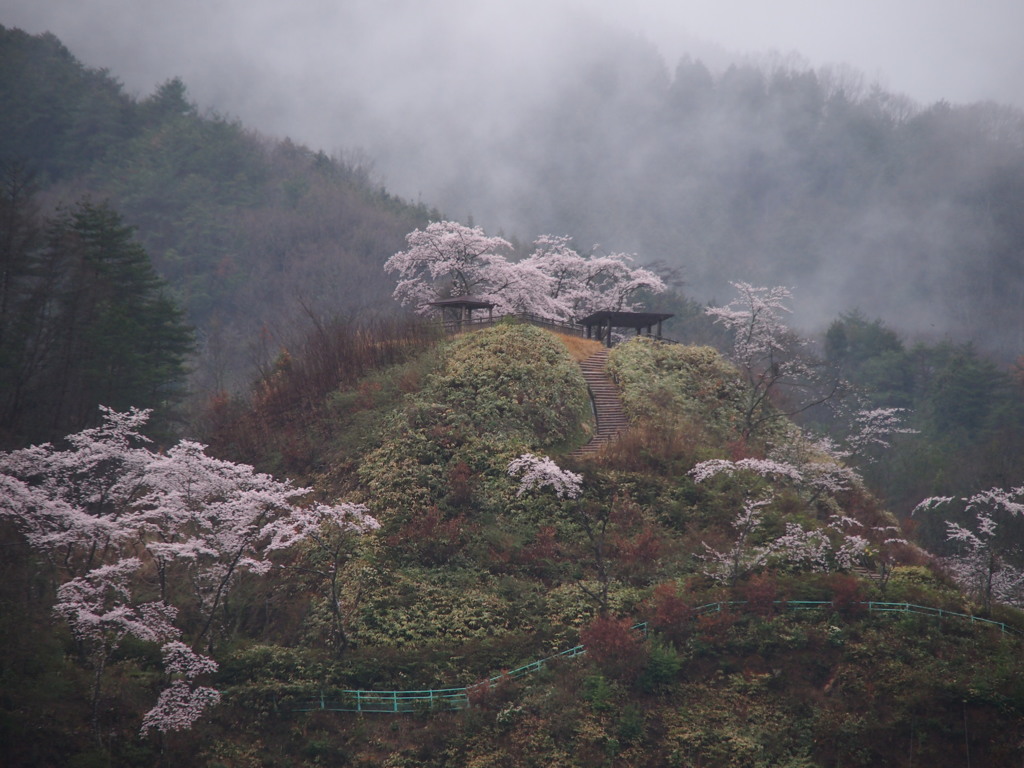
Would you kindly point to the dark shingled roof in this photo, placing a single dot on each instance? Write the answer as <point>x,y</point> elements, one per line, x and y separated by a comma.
<point>625,319</point>
<point>468,302</point>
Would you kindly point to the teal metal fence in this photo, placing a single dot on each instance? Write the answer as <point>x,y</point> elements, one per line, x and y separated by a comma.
<point>435,699</point>
<point>440,699</point>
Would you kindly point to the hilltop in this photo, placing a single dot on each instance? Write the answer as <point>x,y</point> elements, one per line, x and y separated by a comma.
<point>472,572</point>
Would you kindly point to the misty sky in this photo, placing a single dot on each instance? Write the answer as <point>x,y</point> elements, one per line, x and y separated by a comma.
<point>407,83</point>
<point>265,62</point>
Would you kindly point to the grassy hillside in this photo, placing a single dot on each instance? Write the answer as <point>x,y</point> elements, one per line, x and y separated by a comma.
<point>468,577</point>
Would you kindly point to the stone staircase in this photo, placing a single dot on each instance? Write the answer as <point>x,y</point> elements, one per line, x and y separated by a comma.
<point>611,417</point>
<point>866,573</point>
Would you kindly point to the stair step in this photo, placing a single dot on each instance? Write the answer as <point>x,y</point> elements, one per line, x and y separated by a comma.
<point>611,416</point>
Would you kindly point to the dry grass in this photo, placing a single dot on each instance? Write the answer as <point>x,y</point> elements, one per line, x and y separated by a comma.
<point>579,348</point>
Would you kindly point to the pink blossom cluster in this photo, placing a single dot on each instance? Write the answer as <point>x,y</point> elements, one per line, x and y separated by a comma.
<point>98,507</point>
<point>182,703</point>
<point>540,472</point>
<point>876,426</point>
<point>554,282</point>
<point>825,549</point>
<point>755,319</point>
<point>984,565</point>
<point>765,467</point>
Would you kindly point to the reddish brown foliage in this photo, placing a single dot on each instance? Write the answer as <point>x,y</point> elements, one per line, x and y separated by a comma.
<point>637,556</point>
<point>492,695</point>
<point>761,591</point>
<point>431,538</point>
<point>332,354</point>
<point>714,626</point>
<point>739,449</point>
<point>544,548</point>
<point>846,594</point>
<point>460,484</point>
<point>669,612</point>
<point>654,446</point>
<point>615,647</point>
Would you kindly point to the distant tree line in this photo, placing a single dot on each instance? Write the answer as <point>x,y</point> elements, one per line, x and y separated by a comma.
<point>968,413</point>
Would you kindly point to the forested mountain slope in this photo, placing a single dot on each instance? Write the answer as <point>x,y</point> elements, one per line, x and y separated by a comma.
<point>252,234</point>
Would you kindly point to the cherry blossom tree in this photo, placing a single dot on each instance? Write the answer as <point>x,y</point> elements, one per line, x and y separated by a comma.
<point>875,427</point>
<point>814,474</point>
<point>554,282</point>
<point>328,533</point>
<point>541,472</point>
<point>780,377</point>
<point>105,509</point>
<point>580,285</point>
<point>98,607</point>
<point>984,565</point>
<point>72,504</point>
<point>819,461</point>
<point>765,467</point>
<point>183,702</point>
<point>447,258</point>
<point>831,547</point>
<point>743,557</point>
<point>823,550</point>
<point>214,517</point>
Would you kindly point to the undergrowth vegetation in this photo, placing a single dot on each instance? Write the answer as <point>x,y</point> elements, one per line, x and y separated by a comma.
<point>471,575</point>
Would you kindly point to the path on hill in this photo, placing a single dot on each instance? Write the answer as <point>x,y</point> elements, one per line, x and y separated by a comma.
<point>608,410</point>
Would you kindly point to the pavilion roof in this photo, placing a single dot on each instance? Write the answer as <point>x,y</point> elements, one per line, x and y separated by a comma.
<point>468,302</point>
<point>625,319</point>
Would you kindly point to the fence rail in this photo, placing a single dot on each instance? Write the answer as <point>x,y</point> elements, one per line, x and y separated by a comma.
<point>441,699</point>
<point>435,699</point>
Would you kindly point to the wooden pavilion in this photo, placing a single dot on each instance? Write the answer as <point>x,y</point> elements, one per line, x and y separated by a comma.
<point>459,309</point>
<point>601,324</point>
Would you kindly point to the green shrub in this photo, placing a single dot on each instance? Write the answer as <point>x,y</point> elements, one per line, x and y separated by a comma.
<point>496,393</point>
<point>662,668</point>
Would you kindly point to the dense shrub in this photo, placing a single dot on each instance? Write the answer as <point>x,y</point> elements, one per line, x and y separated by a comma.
<point>678,382</point>
<point>616,647</point>
<point>497,392</point>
